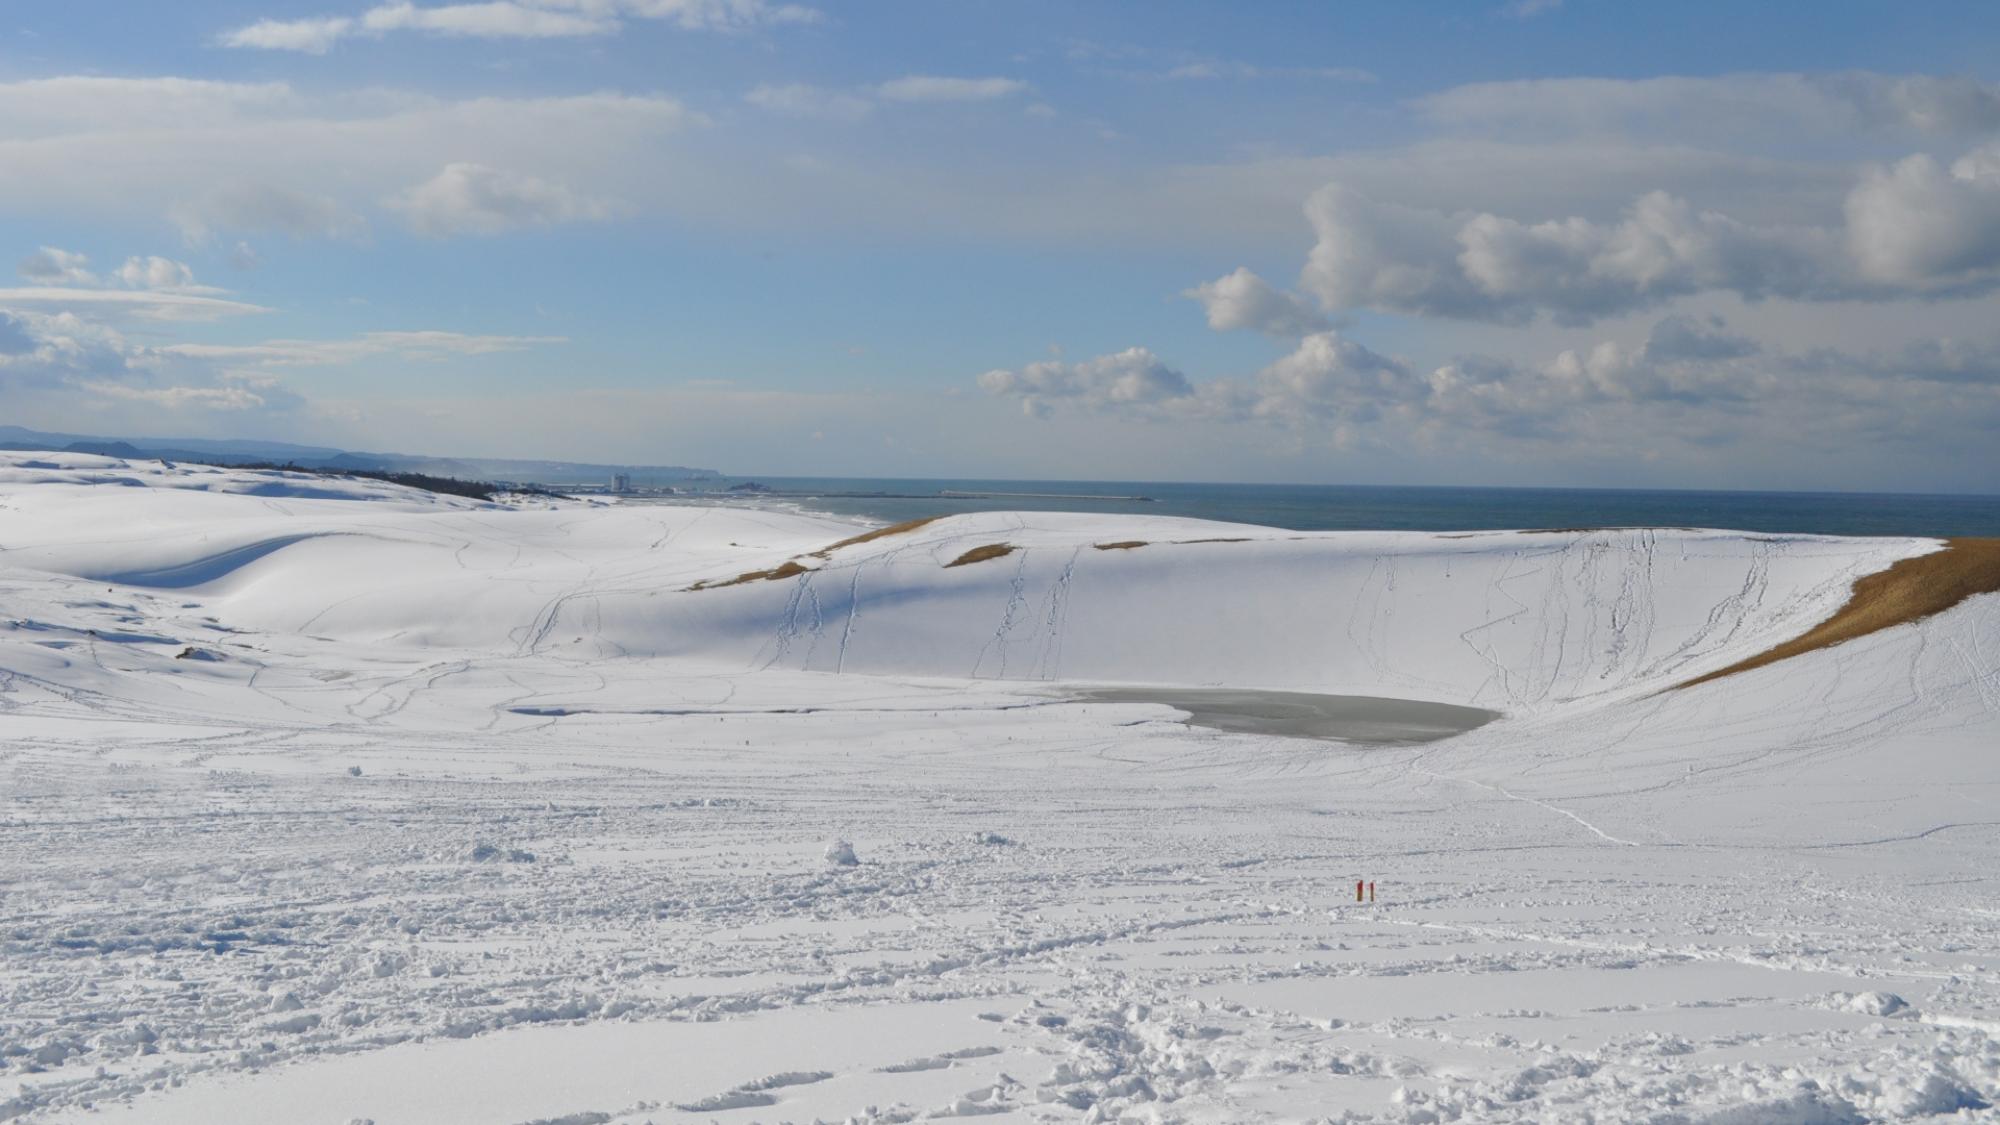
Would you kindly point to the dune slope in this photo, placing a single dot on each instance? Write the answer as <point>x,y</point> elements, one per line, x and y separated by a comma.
<point>414,809</point>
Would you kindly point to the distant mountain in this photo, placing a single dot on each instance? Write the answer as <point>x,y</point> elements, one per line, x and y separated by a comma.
<point>237,452</point>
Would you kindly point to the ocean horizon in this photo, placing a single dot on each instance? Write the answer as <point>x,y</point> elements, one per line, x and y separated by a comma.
<point>1302,507</point>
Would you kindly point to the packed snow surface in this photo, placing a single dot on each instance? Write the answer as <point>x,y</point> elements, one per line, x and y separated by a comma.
<point>326,800</point>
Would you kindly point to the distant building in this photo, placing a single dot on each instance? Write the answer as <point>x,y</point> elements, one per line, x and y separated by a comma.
<point>621,482</point>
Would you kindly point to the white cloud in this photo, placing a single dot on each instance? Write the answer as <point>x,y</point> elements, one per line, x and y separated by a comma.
<point>265,208</point>
<point>54,107</point>
<point>1911,231</point>
<point>232,159</point>
<point>494,19</point>
<point>1916,224</point>
<point>309,36</point>
<point>52,266</point>
<point>513,19</point>
<point>469,198</point>
<point>1242,300</point>
<point>1528,9</point>
<point>1733,105</point>
<point>154,272</point>
<point>51,358</point>
<point>1206,69</point>
<point>932,88</point>
<point>15,339</point>
<point>1327,376</point>
<point>423,345</point>
<point>801,100</point>
<point>715,15</point>
<point>137,304</point>
<point>1134,376</point>
<point>1691,389</point>
<point>252,160</point>
<point>59,357</point>
<point>179,397</point>
<point>158,289</point>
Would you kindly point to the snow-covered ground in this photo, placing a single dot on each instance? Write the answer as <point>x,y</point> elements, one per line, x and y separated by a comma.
<point>325,800</point>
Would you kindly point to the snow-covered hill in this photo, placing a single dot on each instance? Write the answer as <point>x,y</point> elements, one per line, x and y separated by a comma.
<point>1523,622</point>
<point>301,768</point>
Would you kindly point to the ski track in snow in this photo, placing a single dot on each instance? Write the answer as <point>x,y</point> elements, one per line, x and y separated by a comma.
<point>458,813</point>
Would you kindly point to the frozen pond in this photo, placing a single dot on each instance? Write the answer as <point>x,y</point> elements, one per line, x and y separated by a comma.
<point>1299,714</point>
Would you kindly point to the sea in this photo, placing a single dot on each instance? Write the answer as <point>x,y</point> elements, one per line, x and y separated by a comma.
<point>1375,507</point>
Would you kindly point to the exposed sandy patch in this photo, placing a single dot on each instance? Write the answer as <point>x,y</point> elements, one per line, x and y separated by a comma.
<point>879,533</point>
<point>793,568</point>
<point>1121,545</point>
<point>1908,591</point>
<point>981,554</point>
<point>785,570</point>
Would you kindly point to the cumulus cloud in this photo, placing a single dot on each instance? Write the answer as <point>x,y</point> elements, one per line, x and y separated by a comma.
<point>47,348</point>
<point>1917,224</point>
<point>62,350</point>
<point>71,356</point>
<point>1690,386</point>
<point>52,266</point>
<point>1913,230</point>
<point>1134,376</point>
<point>1327,376</point>
<point>155,272</point>
<point>1487,266</point>
<point>933,88</point>
<point>467,198</point>
<point>1242,300</point>
<point>512,19</point>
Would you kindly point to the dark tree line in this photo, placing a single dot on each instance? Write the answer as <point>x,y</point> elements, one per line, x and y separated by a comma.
<point>449,486</point>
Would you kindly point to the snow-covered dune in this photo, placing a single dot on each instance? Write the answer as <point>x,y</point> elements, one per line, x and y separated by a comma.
<point>1513,621</point>
<point>408,808</point>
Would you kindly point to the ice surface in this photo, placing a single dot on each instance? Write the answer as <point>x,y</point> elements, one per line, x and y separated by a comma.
<point>1296,714</point>
<point>482,815</point>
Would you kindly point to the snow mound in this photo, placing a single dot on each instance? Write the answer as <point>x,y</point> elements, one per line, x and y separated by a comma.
<point>1519,623</point>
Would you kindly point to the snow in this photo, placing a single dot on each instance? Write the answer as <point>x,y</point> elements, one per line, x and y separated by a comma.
<point>479,813</point>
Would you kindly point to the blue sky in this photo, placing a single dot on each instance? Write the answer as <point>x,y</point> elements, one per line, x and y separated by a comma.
<point>1532,243</point>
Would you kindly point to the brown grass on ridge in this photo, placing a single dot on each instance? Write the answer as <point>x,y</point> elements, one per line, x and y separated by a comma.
<point>1121,545</point>
<point>981,554</point>
<point>1910,590</point>
<point>878,533</point>
<point>784,570</point>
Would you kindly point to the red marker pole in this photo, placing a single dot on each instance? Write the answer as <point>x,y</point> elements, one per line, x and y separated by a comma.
<point>1357,890</point>
<point>1371,890</point>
